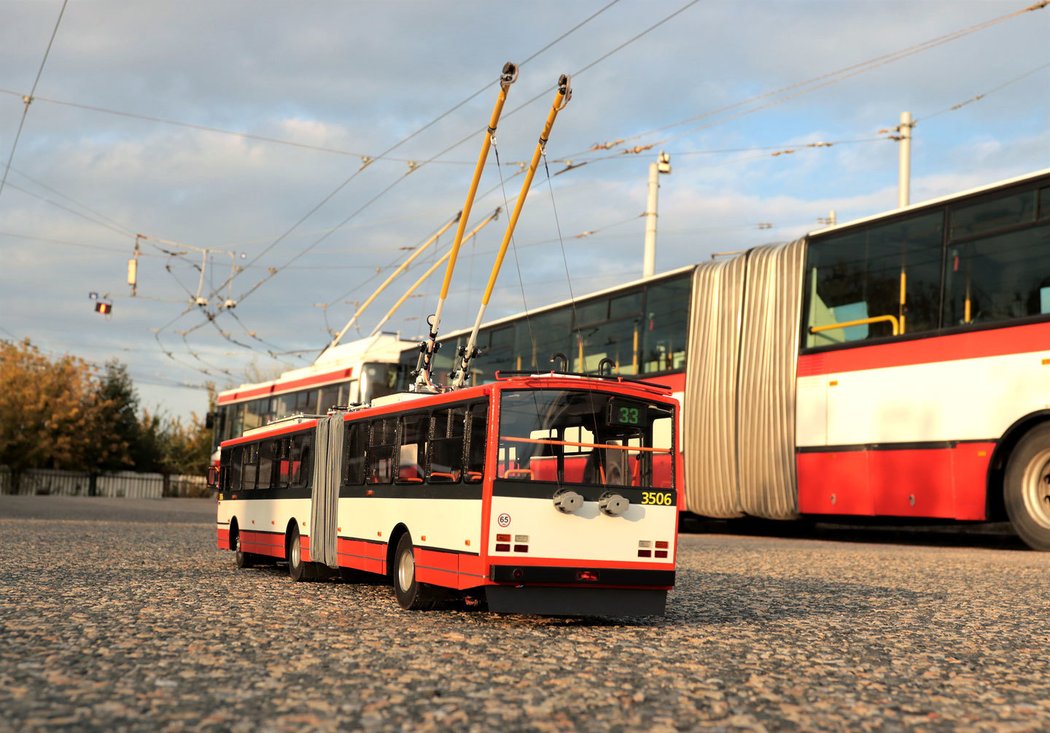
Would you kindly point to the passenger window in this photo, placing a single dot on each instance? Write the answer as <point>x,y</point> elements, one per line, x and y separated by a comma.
<point>874,282</point>
<point>235,468</point>
<point>476,429</point>
<point>250,467</point>
<point>998,278</point>
<point>284,463</point>
<point>354,458</point>
<point>266,451</point>
<point>414,431</point>
<point>301,459</point>
<point>446,446</point>
<point>381,446</point>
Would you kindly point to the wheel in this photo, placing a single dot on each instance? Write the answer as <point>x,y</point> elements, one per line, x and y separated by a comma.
<point>1027,488</point>
<point>297,569</point>
<point>411,595</point>
<point>244,559</point>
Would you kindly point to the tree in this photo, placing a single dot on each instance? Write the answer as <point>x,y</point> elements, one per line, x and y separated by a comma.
<point>51,412</point>
<point>120,406</point>
<point>187,447</point>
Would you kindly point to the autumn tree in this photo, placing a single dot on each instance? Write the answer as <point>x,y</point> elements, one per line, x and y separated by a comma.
<point>52,414</point>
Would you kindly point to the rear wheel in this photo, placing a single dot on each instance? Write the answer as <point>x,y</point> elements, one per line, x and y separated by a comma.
<point>297,569</point>
<point>411,594</point>
<point>1026,490</point>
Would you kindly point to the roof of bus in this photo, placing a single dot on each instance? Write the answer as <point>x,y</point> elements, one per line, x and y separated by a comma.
<point>336,364</point>
<point>577,300</point>
<point>393,404</point>
<point>934,201</point>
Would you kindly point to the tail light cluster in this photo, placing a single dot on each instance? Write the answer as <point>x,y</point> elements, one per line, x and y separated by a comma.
<point>512,543</point>
<point>656,549</point>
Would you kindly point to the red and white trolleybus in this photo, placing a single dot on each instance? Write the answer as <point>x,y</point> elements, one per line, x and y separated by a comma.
<point>551,493</point>
<point>892,367</point>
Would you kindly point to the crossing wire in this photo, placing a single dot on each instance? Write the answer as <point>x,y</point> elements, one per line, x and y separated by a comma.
<point>27,100</point>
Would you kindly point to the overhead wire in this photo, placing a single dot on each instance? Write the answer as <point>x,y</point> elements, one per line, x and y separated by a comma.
<point>781,94</point>
<point>28,99</point>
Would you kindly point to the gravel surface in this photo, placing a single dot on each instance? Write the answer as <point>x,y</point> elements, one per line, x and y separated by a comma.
<point>128,618</point>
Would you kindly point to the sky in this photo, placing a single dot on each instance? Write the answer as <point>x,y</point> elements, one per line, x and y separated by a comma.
<point>306,148</point>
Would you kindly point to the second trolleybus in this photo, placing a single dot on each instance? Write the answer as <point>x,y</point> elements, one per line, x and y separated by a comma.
<point>896,366</point>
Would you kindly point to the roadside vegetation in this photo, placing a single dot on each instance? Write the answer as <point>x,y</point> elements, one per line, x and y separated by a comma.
<point>65,413</point>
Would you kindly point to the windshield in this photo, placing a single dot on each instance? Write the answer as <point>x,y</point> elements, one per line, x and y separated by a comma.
<point>576,437</point>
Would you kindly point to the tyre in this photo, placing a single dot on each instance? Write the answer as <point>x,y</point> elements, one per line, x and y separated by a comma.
<point>297,569</point>
<point>244,559</point>
<point>1026,490</point>
<point>411,594</point>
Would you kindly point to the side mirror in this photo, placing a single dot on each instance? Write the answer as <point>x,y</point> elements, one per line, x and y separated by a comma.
<point>213,477</point>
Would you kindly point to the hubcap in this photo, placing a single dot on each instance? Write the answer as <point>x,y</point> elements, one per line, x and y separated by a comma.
<point>1035,489</point>
<point>294,559</point>
<point>406,570</point>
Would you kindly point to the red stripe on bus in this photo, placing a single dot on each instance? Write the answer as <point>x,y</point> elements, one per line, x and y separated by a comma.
<point>275,389</point>
<point>952,347</point>
<point>942,483</point>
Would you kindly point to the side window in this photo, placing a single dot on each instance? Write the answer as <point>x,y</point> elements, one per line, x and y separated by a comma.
<point>354,457</point>
<point>992,275</point>
<point>235,468</point>
<point>878,281</point>
<point>224,469</point>
<point>284,462</point>
<point>382,443</point>
<point>446,446</point>
<point>266,451</point>
<point>300,459</point>
<point>250,466</point>
<point>414,431</point>
<point>477,432</point>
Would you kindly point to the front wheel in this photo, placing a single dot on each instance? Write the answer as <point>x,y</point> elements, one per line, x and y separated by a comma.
<point>1026,489</point>
<point>411,594</point>
<point>244,559</point>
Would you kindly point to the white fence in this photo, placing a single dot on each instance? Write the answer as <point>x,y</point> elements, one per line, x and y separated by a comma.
<point>121,484</point>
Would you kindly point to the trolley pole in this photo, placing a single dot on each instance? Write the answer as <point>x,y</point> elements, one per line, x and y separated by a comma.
<point>904,166</point>
<point>663,165</point>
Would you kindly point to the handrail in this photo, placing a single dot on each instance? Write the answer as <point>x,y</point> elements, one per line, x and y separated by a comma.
<point>892,320</point>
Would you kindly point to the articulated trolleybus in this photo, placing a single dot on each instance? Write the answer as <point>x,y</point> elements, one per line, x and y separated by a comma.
<point>543,493</point>
<point>551,494</point>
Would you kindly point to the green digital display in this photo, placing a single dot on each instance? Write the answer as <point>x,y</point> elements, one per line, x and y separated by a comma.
<point>626,412</point>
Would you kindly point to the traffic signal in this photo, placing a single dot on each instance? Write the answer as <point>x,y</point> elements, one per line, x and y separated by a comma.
<point>103,307</point>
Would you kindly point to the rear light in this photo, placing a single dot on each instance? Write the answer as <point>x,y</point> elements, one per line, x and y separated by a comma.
<point>521,548</point>
<point>503,538</point>
<point>661,545</point>
<point>587,575</point>
<point>661,553</point>
<point>503,547</point>
<point>645,553</point>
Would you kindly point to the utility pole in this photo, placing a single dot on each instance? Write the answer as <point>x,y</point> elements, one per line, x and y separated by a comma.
<point>662,165</point>
<point>904,167</point>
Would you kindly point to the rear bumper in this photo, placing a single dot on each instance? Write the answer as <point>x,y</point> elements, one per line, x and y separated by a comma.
<point>530,575</point>
<point>548,601</point>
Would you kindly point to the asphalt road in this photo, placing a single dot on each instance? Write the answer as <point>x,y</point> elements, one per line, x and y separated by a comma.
<point>120,614</point>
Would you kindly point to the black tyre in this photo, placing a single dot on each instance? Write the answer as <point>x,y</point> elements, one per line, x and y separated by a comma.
<point>297,569</point>
<point>244,559</point>
<point>1026,490</point>
<point>411,594</point>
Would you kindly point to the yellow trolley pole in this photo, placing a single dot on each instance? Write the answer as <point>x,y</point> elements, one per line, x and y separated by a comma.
<point>426,350</point>
<point>430,271</point>
<point>386,283</point>
<point>561,98</point>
